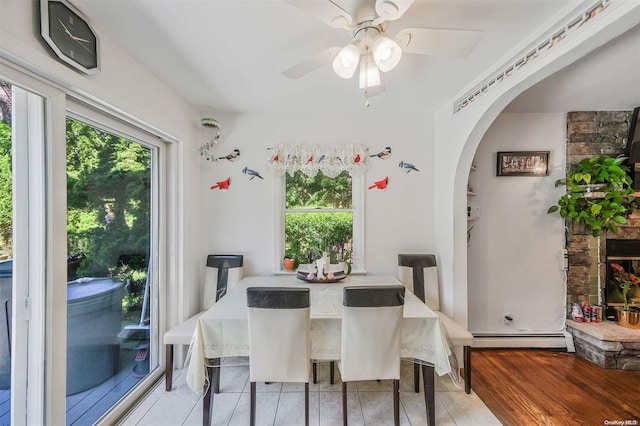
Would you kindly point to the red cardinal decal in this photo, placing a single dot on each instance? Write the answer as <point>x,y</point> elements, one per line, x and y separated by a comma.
<point>223,185</point>
<point>381,184</point>
<point>357,159</point>
<point>310,159</point>
<point>275,159</point>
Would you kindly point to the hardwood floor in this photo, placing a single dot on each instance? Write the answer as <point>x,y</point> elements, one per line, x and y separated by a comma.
<point>544,387</point>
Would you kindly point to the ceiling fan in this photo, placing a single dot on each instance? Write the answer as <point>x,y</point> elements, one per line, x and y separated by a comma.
<point>371,47</point>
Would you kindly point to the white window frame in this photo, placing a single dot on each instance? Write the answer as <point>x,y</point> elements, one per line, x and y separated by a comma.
<point>29,226</point>
<point>357,210</point>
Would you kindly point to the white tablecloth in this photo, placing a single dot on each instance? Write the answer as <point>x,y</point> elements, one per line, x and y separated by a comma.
<point>222,330</point>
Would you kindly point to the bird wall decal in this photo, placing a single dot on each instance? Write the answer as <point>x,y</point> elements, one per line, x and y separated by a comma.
<point>249,172</point>
<point>222,185</point>
<point>381,184</point>
<point>384,154</point>
<point>234,156</point>
<point>407,166</point>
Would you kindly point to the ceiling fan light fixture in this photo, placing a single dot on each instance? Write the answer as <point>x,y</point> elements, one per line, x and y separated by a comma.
<point>346,62</point>
<point>386,53</point>
<point>369,74</point>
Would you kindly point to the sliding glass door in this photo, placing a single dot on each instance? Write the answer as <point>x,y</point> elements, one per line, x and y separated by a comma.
<point>6,251</point>
<point>79,307</point>
<point>22,248</point>
<point>112,236</point>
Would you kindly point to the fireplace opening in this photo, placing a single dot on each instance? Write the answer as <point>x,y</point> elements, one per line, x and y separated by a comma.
<point>626,255</point>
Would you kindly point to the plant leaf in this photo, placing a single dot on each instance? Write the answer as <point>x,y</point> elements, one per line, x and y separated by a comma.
<point>552,209</point>
<point>620,219</point>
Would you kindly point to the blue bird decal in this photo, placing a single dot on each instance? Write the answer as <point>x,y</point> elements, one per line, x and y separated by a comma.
<point>249,172</point>
<point>407,166</point>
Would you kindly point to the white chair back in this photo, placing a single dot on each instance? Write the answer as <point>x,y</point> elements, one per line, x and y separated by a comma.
<point>419,273</point>
<point>371,328</point>
<point>279,334</point>
<point>223,271</point>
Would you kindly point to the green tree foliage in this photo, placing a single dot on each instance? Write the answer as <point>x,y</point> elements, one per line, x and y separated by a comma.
<point>319,191</point>
<point>6,200</point>
<point>108,201</point>
<point>309,233</point>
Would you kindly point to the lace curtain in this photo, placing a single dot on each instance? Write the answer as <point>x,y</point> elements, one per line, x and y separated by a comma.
<point>330,159</point>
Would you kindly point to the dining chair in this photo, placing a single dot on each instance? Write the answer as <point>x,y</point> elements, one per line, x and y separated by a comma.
<point>222,271</point>
<point>370,343</point>
<point>279,339</point>
<point>419,273</point>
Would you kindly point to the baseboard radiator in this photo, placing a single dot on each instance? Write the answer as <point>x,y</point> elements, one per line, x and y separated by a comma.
<point>548,340</point>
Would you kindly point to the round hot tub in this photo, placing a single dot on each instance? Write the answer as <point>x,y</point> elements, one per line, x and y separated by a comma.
<point>94,314</point>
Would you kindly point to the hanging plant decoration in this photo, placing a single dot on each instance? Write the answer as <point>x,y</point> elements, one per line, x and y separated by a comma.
<point>599,194</point>
<point>384,154</point>
<point>234,156</point>
<point>407,166</point>
<point>206,150</point>
<point>250,172</point>
<point>381,184</point>
<point>222,185</point>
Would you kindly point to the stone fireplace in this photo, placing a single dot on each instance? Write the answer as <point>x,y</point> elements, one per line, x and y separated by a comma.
<point>605,344</point>
<point>589,134</point>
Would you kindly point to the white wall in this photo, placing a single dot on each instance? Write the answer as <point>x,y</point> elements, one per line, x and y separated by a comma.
<point>514,252</point>
<point>398,219</point>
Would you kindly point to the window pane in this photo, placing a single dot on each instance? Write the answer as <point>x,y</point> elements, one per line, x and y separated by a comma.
<point>109,235</point>
<point>6,251</point>
<point>319,191</point>
<point>310,234</point>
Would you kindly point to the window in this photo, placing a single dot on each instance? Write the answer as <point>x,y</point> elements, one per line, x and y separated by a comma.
<point>323,214</point>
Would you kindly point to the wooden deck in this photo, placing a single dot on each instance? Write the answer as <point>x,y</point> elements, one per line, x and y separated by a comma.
<point>85,408</point>
<point>5,407</point>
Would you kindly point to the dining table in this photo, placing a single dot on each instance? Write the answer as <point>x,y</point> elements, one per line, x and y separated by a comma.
<point>223,331</point>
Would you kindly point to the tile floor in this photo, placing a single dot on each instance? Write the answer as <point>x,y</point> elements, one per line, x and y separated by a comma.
<point>370,403</point>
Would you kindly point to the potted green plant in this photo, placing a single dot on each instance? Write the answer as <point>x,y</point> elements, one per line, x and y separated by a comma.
<point>347,258</point>
<point>605,209</point>
<point>289,261</point>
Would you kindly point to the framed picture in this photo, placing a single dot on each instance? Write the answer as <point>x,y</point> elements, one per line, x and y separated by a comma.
<point>523,163</point>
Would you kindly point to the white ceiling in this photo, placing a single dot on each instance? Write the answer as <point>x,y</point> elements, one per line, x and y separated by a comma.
<point>228,56</point>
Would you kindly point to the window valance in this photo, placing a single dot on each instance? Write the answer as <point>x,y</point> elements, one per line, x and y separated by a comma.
<point>329,159</point>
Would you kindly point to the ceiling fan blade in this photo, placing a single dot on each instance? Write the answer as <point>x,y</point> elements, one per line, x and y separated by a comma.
<point>313,63</point>
<point>438,42</point>
<point>327,11</point>
<point>390,10</point>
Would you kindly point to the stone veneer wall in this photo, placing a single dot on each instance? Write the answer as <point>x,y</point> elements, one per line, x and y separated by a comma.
<point>588,134</point>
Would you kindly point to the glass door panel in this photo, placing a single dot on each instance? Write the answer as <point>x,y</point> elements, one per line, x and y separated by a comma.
<point>6,252</point>
<point>109,247</point>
